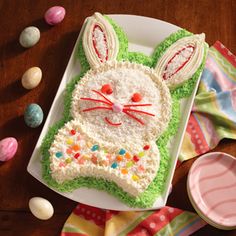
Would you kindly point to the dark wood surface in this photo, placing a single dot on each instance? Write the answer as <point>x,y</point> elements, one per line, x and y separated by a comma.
<point>51,54</point>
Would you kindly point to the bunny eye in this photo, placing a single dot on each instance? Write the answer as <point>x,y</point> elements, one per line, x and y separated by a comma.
<point>136,97</point>
<point>107,89</point>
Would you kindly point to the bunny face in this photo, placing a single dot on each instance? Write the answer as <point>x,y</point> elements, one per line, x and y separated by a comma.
<point>136,106</point>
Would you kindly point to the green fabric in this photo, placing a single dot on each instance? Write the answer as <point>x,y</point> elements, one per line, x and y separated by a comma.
<point>147,198</point>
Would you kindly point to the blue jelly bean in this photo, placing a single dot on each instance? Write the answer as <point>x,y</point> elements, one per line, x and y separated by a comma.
<point>95,147</point>
<point>122,151</point>
<point>59,154</point>
<point>114,165</point>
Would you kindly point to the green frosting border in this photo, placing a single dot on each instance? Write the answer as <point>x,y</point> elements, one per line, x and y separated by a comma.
<point>147,198</point>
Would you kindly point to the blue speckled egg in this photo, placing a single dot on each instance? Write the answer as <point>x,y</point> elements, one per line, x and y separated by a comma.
<point>33,115</point>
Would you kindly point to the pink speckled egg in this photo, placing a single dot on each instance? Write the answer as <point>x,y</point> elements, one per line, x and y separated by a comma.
<point>8,148</point>
<point>54,15</point>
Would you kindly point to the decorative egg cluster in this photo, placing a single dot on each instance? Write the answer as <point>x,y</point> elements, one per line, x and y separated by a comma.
<point>77,150</point>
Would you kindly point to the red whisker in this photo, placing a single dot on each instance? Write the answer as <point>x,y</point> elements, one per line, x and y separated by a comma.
<point>97,92</point>
<point>134,117</point>
<point>97,108</point>
<point>95,100</point>
<point>137,105</point>
<point>110,123</point>
<point>138,111</point>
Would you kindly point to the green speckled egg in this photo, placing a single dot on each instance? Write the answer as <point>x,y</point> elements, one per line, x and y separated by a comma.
<point>33,115</point>
<point>29,37</point>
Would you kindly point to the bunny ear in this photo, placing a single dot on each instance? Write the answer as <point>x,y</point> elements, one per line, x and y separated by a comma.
<point>100,42</point>
<point>181,60</point>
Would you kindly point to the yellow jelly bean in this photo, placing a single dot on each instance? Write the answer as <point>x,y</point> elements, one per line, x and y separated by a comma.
<point>69,141</point>
<point>141,154</point>
<point>135,178</point>
<point>68,160</point>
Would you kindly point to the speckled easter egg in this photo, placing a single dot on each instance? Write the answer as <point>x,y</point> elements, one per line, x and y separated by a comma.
<point>31,78</point>
<point>33,115</point>
<point>29,37</point>
<point>41,208</point>
<point>8,148</point>
<point>54,15</point>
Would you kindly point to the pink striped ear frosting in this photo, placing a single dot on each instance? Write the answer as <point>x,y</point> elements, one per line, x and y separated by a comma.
<point>212,188</point>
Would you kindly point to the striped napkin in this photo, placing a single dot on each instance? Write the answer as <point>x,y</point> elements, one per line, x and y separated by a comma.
<point>213,118</point>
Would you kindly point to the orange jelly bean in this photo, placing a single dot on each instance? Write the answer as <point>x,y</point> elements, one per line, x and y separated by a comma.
<point>119,158</point>
<point>124,171</point>
<point>76,147</point>
<point>127,155</point>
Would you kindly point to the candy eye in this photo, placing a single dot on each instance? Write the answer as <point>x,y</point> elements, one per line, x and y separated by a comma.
<point>137,97</point>
<point>107,89</point>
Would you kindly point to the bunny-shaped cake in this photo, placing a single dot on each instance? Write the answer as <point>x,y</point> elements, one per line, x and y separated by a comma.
<point>119,109</point>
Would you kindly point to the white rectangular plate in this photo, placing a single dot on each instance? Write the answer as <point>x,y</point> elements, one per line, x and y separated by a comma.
<point>144,34</point>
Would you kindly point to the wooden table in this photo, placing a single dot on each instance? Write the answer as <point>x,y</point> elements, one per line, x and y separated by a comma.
<point>51,54</point>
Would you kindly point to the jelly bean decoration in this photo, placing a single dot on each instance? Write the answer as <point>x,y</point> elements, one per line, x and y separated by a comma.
<point>33,115</point>
<point>127,155</point>
<point>137,97</point>
<point>41,208</point>
<point>59,154</point>
<point>73,132</point>
<point>31,78</point>
<point>135,158</point>
<point>76,156</point>
<point>114,165</point>
<point>122,151</point>
<point>135,178</point>
<point>107,89</point>
<point>29,37</point>
<point>146,147</point>
<point>55,15</point>
<point>95,148</point>
<point>124,171</point>
<point>8,148</point>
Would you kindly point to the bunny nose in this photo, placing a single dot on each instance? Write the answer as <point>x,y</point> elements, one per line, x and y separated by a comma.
<point>116,107</point>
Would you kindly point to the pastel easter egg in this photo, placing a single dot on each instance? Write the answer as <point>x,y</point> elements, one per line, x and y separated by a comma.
<point>54,15</point>
<point>41,208</point>
<point>33,115</point>
<point>8,148</point>
<point>29,36</point>
<point>31,78</point>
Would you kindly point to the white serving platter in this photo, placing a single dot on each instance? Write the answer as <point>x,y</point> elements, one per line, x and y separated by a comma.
<point>144,34</point>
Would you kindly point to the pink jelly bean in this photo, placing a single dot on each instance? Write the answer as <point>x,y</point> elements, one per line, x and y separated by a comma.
<point>8,148</point>
<point>54,15</point>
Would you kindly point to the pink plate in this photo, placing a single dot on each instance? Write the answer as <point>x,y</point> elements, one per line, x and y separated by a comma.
<point>212,189</point>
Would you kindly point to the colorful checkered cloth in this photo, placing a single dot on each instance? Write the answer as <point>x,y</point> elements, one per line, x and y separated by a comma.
<point>213,118</point>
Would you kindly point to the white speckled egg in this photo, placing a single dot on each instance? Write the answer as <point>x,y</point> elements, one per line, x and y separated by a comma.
<point>41,208</point>
<point>29,36</point>
<point>31,78</point>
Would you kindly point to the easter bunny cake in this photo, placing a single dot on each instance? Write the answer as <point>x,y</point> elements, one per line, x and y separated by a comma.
<point>120,113</point>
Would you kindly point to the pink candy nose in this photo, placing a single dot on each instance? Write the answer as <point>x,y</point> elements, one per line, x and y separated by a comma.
<point>116,107</point>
